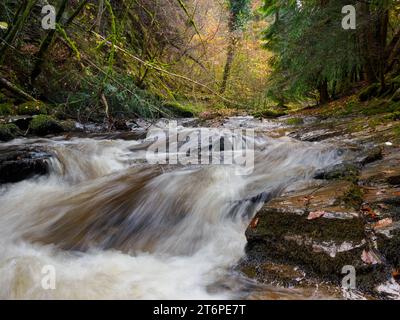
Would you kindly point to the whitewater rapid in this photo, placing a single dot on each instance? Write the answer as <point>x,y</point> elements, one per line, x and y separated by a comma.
<point>115,227</point>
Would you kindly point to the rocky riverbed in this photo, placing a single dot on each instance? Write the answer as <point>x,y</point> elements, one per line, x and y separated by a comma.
<point>347,214</point>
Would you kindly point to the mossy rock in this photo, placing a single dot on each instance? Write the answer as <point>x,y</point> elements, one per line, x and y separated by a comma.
<point>68,125</point>
<point>389,247</point>
<point>295,121</point>
<point>179,110</point>
<point>32,108</point>
<point>8,132</point>
<point>6,109</point>
<point>370,92</point>
<point>43,125</point>
<point>268,114</point>
<point>341,171</point>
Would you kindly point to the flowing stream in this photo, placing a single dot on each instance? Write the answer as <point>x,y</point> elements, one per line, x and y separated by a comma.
<point>113,226</point>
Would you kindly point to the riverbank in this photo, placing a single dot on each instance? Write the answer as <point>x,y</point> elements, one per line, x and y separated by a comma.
<point>346,216</point>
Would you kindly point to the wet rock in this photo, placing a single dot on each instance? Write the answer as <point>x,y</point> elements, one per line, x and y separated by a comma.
<point>273,273</point>
<point>371,155</point>
<point>348,171</point>
<point>389,245</point>
<point>20,163</point>
<point>317,135</point>
<point>322,246</point>
<point>386,170</point>
<point>22,122</point>
<point>120,124</point>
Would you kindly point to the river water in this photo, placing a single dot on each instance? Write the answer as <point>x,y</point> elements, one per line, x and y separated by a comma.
<point>113,226</point>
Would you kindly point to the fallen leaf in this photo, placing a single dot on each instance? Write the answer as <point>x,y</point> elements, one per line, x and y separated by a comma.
<point>315,215</point>
<point>254,223</point>
<point>368,211</point>
<point>383,223</point>
<point>396,274</point>
<point>369,257</point>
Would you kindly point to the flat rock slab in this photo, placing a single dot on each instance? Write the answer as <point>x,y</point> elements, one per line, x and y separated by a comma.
<point>317,135</point>
<point>383,171</point>
<point>283,232</point>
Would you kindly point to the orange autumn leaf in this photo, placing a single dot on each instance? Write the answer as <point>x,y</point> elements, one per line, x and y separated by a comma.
<point>254,223</point>
<point>383,223</point>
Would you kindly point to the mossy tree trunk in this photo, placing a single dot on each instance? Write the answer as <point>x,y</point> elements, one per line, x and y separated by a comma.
<point>44,47</point>
<point>20,17</point>
<point>228,64</point>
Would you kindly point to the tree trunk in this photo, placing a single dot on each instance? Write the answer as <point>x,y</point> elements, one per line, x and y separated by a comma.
<point>228,64</point>
<point>22,14</point>
<point>99,15</point>
<point>323,93</point>
<point>46,44</point>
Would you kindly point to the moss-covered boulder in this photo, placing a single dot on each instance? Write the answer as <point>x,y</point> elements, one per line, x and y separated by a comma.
<point>6,109</point>
<point>32,108</point>
<point>179,110</point>
<point>8,132</point>
<point>43,125</point>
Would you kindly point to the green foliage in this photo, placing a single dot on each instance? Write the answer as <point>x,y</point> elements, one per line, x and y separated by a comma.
<point>395,116</point>
<point>8,131</point>
<point>3,98</point>
<point>295,121</point>
<point>32,108</point>
<point>6,109</point>
<point>128,99</point>
<point>44,125</point>
<point>379,106</point>
<point>240,11</point>
<point>310,48</point>
<point>179,110</point>
<point>369,92</point>
<point>123,97</point>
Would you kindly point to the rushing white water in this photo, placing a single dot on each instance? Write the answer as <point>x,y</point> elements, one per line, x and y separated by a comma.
<point>114,227</point>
